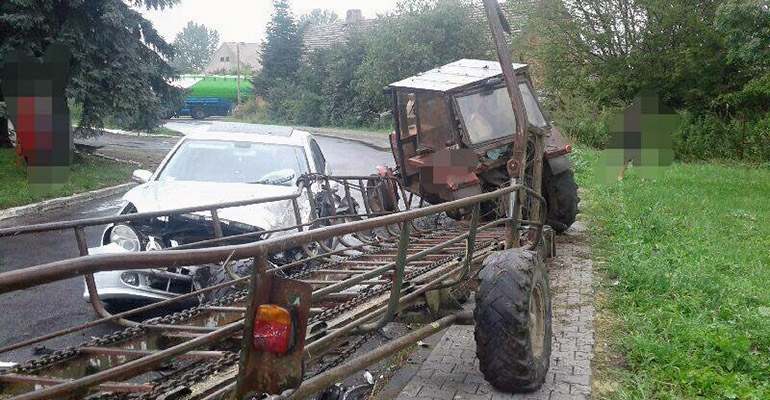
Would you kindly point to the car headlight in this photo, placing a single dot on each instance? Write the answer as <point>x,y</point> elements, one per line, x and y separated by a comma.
<point>130,278</point>
<point>125,237</point>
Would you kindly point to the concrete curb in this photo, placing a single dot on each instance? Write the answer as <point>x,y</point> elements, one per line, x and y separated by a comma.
<point>139,134</point>
<point>64,201</point>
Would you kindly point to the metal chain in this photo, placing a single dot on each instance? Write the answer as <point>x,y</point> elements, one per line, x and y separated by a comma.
<point>192,376</point>
<point>343,355</point>
<point>60,355</point>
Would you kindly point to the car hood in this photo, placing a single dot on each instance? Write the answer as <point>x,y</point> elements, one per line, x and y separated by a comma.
<point>160,196</point>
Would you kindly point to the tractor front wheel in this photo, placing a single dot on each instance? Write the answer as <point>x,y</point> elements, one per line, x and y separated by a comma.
<point>513,321</point>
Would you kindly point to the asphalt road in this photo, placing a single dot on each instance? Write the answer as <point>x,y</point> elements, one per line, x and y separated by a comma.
<point>44,309</point>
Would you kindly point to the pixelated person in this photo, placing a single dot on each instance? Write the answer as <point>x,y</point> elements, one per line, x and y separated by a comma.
<point>34,93</point>
<point>641,136</point>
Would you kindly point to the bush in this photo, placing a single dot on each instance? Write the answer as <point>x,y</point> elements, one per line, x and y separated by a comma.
<point>583,120</point>
<point>709,137</point>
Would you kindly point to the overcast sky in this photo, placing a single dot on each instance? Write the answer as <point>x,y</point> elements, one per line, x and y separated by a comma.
<point>245,20</point>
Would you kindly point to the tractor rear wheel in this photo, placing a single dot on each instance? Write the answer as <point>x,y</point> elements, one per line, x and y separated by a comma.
<point>513,321</point>
<point>560,192</point>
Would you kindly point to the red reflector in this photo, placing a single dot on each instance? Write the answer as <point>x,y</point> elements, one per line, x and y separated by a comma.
<point>272,329</point>
<point>569,149</point>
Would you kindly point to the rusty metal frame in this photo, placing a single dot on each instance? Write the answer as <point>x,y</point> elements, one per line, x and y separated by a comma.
<point>83,266</point>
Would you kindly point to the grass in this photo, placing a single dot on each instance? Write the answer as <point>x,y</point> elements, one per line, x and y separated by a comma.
<point>162,130</point>
<point>87,173</point>
<point>684,303</point>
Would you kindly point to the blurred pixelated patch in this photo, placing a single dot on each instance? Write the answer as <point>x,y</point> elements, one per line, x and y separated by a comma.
<point>36,105</point>
<point>641,137</point>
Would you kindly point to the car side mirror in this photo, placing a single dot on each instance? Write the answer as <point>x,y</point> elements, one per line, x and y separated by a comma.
<point>141,175</point>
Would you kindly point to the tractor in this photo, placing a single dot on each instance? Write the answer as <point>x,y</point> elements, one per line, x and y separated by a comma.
<point>454,136</point>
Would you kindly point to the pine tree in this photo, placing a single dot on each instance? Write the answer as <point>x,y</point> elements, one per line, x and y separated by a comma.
<point>282,48</point>
<point>118,66</point>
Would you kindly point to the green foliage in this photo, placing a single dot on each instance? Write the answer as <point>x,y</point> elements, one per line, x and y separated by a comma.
<point>342,85</point>
<point>692,302</point>
<point>118,58</point>
<point>193,48</point>
<point>709,138</point>
<point>708,59</point>
<point>282,49</point>
<point>417,36</point>
<point>317,16</point>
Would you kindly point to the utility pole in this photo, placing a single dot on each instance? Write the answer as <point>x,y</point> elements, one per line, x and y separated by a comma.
<point>238,68</point>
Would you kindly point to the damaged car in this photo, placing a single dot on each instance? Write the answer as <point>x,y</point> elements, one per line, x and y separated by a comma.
<point>205,169</point>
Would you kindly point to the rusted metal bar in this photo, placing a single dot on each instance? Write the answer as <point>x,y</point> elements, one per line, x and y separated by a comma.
<point>52,226</point>
<point>115,317</point>
<point>34,381</point>
<point>297,215</point>
<point>50,272</point>
<point>320,382</point>
<point>132,368</point>
<point>413,295</point>
<point>113,351</point>
<point>93,298</point>
<point>216,224</point>
<point>537,183</point>
<point>224,309</point>
<point>398,279</point>
<point>180,328</point>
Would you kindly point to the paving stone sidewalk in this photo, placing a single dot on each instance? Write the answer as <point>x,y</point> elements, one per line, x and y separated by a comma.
<point>451,371</point>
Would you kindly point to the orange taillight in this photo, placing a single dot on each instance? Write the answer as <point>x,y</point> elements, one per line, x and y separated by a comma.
<point>273,330</point>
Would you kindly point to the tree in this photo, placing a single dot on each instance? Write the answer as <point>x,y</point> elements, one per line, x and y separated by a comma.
<point>119,66</point>
<point>281,50</point>
<point>417,36</point>
<point>193,48</point>
<point>317,17</point>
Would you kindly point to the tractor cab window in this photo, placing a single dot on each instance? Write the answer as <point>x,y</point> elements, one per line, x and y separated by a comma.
<point>407,103</point>
<point>487,115</point>
<point>427,117</point>
<point>534,115</point>
<point>434,120</point>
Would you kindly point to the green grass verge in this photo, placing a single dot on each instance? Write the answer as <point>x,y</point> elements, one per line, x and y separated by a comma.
<point>162,130</point>
<point>686,282</point>
<point>87,173</point>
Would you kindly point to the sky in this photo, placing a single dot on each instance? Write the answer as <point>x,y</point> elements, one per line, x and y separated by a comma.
<point>245,20</point>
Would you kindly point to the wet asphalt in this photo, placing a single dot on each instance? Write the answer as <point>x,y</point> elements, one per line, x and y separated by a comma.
<point>48,308</point>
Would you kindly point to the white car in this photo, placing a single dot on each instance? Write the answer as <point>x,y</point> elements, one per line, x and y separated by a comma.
<point>203,169</point>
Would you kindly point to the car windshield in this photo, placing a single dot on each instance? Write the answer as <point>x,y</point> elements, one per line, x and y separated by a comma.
<point>235,162</point>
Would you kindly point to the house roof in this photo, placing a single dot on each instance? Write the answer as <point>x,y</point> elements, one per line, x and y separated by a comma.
<point>455,75</point>
<point>324,36</point>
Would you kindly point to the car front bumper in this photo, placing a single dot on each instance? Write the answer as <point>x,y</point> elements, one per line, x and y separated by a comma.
<point>151,285</point>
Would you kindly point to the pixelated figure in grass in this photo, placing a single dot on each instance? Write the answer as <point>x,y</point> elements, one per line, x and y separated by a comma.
<point>641,136</point>
<point>36,105</point>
